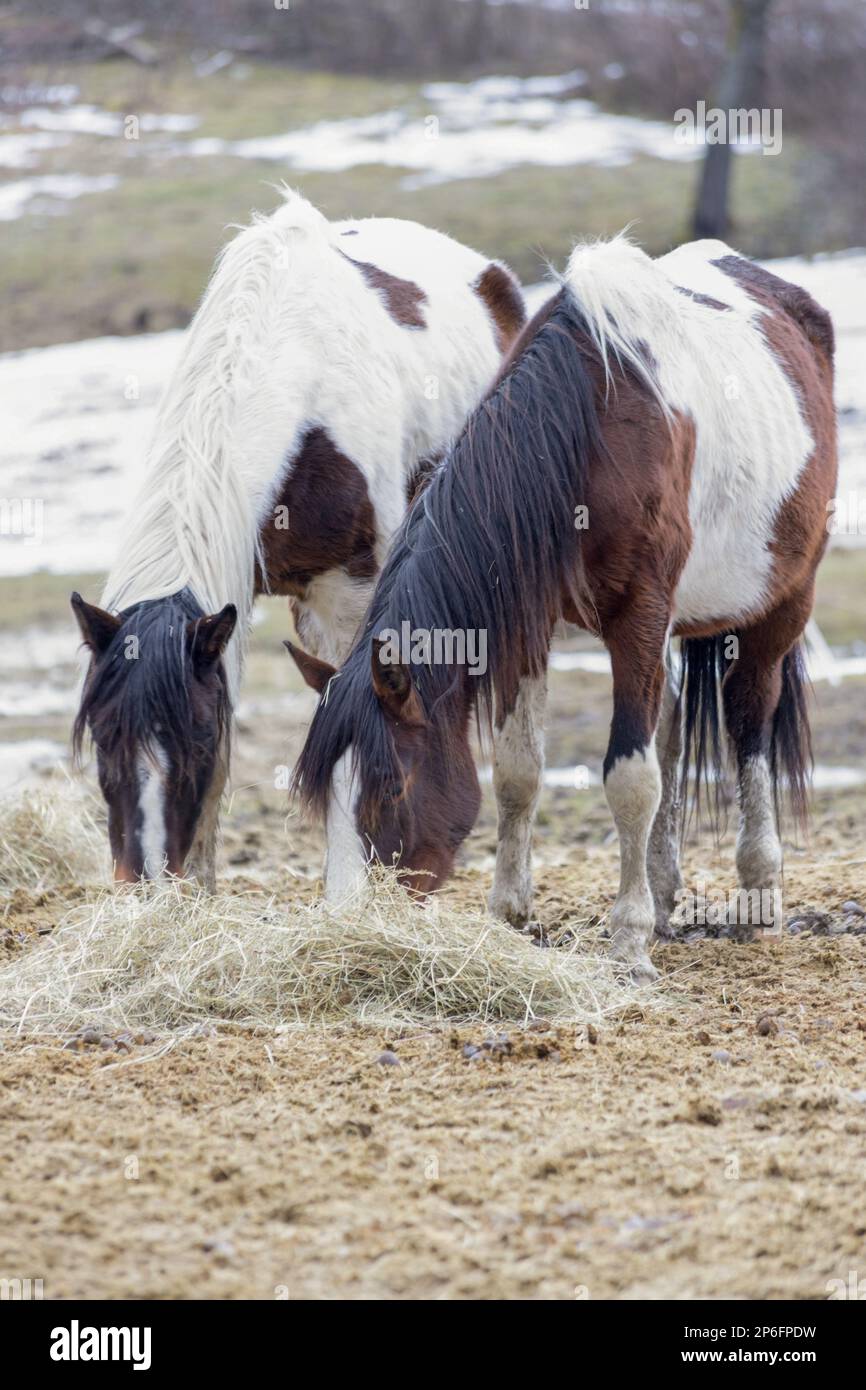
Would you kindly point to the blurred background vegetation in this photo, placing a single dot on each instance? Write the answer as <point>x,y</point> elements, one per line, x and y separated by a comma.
<point>134,256</point>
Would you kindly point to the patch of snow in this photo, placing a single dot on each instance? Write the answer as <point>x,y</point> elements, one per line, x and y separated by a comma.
<point>827,777</point>
<point>25,700</point>
<point>93,120</point>
<point>823,664</point>
<point>299,704</point>
<point>76,422</point>
<point>60,94</point>
<point>17,198</point>
<point>19,761</point>
<point>474,130</point>
<point>21,151</point>
<point>39,648</point>
<point>485,89</point>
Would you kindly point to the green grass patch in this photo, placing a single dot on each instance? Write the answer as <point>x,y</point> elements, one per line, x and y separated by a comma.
<point>41,599</point>
<point>238,102</point>
<point>839,596</point>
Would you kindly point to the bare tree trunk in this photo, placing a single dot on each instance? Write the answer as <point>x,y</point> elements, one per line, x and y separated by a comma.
<point>742,84</point>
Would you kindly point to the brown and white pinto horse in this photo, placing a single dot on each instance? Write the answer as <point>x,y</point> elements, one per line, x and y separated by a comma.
<point>328,367</point>
<point>656,460</point>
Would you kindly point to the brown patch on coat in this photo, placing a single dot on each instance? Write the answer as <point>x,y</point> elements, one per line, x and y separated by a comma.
<point>635,547</point>
<point>797,303</point>
<point>503,298</point>
<point>799,333</point>
<point>330,520</point>
<point>639,534</point>
<point>705,299</point>
<point>402,298</point>
<point>528,332</point>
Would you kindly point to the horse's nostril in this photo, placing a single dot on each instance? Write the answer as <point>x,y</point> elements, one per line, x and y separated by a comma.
<point>123,874</point>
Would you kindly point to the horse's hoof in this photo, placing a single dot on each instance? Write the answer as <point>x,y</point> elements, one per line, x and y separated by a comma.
<point>643,972</point>
<point>631,955</point>
<point>664,930</point>
<point>515,911</point>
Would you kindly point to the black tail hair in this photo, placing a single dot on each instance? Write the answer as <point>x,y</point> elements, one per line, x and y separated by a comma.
<point>705,662</point>
<point>791,740</point>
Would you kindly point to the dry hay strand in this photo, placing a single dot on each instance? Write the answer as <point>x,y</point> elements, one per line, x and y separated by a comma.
<point>50,836</point>
<point>164,958</point>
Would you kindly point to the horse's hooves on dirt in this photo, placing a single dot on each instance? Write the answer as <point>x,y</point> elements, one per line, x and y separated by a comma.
<point>513,913</point>
<point>636,963</point>
<point>643,972</point>
<point>663,930</point>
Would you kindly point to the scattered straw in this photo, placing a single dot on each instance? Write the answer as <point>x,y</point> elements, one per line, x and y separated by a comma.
<point>50,836</point>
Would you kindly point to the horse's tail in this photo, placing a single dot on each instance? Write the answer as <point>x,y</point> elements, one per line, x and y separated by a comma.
<point>704,664</point>
<point>195,524</point>
<point>791,740</point>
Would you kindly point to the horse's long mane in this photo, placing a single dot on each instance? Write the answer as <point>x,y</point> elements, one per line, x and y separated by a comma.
<point>490,545</point>
<point>193,525</point>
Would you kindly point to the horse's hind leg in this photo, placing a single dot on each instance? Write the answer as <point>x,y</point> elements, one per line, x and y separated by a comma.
<point>751,693</point>
<point>633,780</point>
<point>518,767</point>
<point>663,854</point>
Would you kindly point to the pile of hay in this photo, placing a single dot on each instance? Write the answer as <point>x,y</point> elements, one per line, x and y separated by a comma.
<point>165,959</point>
<point>51,836</point>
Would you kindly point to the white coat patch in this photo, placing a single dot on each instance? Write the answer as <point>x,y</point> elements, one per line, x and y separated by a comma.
<point>716,366</point>
<point>346,860</point>
<point>152,769</point>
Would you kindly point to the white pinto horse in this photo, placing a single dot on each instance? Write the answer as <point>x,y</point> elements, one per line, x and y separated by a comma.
<point>326,371</point>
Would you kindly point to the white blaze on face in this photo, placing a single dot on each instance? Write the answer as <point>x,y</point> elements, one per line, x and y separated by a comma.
<point>152,769</point>
<point>345,862</point>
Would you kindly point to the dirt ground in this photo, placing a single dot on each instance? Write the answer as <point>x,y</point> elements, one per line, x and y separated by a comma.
<point>707,1144</point>
<point>692,1157</point>
<point>708,1148</point>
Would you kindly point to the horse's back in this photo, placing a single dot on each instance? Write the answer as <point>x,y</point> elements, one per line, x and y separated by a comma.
<point>387,336</point>
<point>754,371</point>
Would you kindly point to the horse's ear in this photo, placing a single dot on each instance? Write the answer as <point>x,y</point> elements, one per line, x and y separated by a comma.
<point>315,672</point>
<point>208,637</point>
<point>96,626</point>
<point>392,682</point>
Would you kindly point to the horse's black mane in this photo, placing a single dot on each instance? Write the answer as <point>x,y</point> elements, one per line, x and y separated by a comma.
<point>488,545</point>
<point>131,701</point>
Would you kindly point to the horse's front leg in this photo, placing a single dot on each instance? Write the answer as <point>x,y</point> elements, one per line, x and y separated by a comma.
<point>633,783</point>
<point>518,767</point>
<point>663,853</point>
